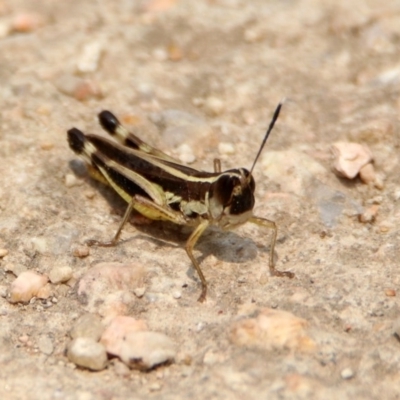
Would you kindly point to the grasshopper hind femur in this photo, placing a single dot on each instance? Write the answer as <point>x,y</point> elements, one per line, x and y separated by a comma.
<point>161,188</point>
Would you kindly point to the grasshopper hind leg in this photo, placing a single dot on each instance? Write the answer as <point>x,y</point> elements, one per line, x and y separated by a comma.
<point>114,240</point>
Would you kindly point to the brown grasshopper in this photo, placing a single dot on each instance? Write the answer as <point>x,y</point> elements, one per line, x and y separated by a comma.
<point>161,188</point>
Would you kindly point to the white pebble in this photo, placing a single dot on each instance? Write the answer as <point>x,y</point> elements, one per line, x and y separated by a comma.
<point>139,292</point>
<point>185,154</point>
<point>27,285</point>
<point>71,180</point>
<point>214,106</point>
<point>225,148</point>
<point>347,373</point>
<point>89,59</point>
<point>60,274</point>
<point>145,350</point>
<point>87,353</point>
<point>177,294</point>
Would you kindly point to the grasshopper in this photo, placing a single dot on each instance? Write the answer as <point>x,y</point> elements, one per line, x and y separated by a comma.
<point>161,188</point>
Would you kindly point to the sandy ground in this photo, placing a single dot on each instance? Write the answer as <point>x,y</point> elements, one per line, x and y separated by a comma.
<point>226,63</point>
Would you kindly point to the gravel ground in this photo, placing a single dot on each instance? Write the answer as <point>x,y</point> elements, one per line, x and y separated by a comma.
<point>201,80</point>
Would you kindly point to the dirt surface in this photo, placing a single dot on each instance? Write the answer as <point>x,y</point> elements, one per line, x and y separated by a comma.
<point>226,63</point>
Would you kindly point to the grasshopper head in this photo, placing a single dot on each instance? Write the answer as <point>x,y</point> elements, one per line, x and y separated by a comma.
<point>232,198</point>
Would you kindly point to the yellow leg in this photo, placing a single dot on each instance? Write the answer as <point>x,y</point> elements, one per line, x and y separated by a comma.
<point>191,242</point>
<point>271,225</point>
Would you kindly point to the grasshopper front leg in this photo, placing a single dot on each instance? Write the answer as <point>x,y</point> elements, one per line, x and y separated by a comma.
<point>271,225</point>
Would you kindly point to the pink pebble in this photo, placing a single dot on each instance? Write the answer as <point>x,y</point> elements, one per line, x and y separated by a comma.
<point>118,329</point>
<point>27,285</point>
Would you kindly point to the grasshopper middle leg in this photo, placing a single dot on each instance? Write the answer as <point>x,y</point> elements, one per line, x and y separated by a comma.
<point>271,225</point>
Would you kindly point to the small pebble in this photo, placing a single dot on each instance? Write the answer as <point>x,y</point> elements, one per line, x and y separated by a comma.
<point>24,339</point>
<point>272,329</point>
<point>145,350</point>
<point>26,22</point>
<point>177,294</point>
<point>81,251</point>
<point>155,386</point>
<point>3,252</point>
<point>349,158</point>
<point>386,226</point>
<point>26,286</point>
<point>214,106</point>
<point>90,57</point>
<point>60,274</point>
<point>45,345</point>
<point>88,326</point>
<point>139,292</point>
<point>87,353</point>
<point>121,369</point>
<point>226,148</point>
<point>71,180</point>
<point>89,194</point>
<point>115,333</point>
<point>347,373</point>
<point>45,292</point>
<point>46,146</point>
<point>390,292</point>
<point>369,214</point>
<point>367,174</point>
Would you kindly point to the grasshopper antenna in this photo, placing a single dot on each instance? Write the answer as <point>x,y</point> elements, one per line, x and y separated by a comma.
<point>271,126</point>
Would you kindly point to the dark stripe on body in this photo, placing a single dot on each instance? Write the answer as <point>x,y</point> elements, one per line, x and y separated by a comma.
<point>120,180</point>
<point>186,189</point>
